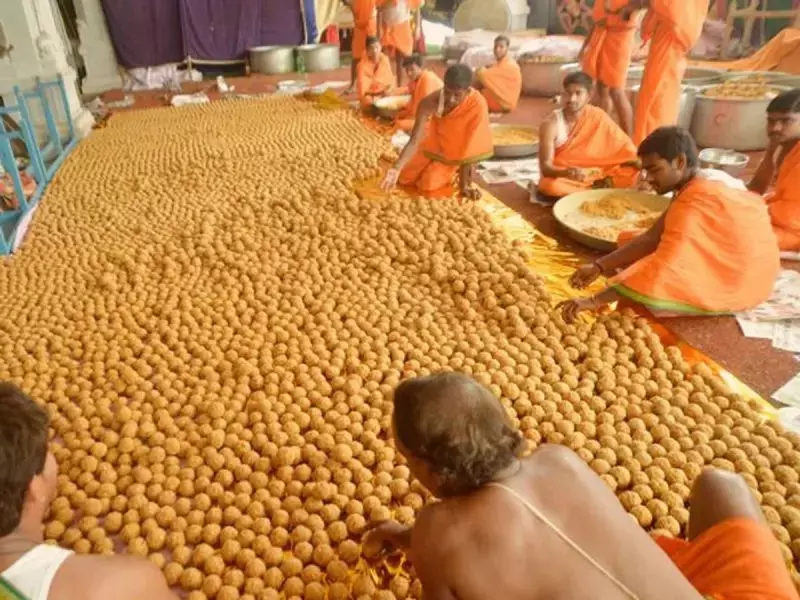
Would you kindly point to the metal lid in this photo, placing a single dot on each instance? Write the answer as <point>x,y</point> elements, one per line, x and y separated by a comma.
<point>490,15</point>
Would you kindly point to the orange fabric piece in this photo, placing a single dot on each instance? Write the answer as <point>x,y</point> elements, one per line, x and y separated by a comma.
<point>607,56</point>
<point>462,136</point>
<point>717,254</point>
<point>673,28</point>
<point>738,558</point>
<point>374,78</point>
<point>784,202</point>
<point>427,84</point>
<point>364,25</point>
<point>595,142</point>
<point>502,84</point>
<point>781,53</point>
<point>399,37</point>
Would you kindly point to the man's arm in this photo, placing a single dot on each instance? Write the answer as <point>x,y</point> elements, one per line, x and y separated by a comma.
<point>547,151</point>
<point>417,24</point>
<point>424,112</point>
<point>765,172</point>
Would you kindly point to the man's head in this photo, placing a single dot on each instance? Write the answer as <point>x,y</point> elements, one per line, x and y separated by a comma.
<point>577,91</point>
<point>669,158</point>
<point>783,117</point>
<point>454,433</point>
<point>28,472</point>
<point>501,45</point>
<point>413,66</point>
<point>373,47</point>
<point>457,81</point>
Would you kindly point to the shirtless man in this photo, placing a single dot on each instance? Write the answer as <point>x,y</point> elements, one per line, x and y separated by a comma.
<point>547,526</point>
<point>30,569</point>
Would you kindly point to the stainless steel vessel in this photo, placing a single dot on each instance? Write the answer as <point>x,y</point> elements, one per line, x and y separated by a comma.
<point>319,57</point>
<point>271,60</point>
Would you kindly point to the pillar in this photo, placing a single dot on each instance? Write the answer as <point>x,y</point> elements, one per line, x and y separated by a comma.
<point>29,26</point>
<point>102,71</point>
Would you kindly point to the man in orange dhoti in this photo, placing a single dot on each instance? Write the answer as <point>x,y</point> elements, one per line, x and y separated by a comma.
<point>421,84</point>
<point>374,78</point>
<point>712,252</point>
<point>672,28</point>
<point>500,84</point>
<point>606,58</point>
<point>365,24</point>
<point>451,133</point>
<point>783,155</point>
<point>580,146</point>
<point>398,34</point>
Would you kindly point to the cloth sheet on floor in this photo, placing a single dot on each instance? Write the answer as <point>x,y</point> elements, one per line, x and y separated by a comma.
<point>781,53</point>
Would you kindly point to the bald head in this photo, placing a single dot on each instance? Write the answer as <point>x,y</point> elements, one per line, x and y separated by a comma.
<point>456,427</point>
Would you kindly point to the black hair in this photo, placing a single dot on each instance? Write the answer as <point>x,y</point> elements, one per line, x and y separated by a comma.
<point>502,38</point>
<point>458,428</point>
<point>669,143</point>
<point>785,102</point>
<point>371,39</point>
<point>578,78</point>
<point>414,59</point>
<point>458,77</point>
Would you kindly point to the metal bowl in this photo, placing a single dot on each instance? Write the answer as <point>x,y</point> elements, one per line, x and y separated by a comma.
<point>271,60</point>
<point>769,76</point>
<point>730,161</point>
<point>319,57</point>
<point>516,150</point>
<point>700,77</point>
<point>572,203</point>
<point>790,82</point>
<point>389,106</point>
<point>544,79</point>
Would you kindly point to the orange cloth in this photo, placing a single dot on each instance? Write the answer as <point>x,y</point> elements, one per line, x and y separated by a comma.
<point>462,136</point>
<point>427,84</point>
<point>781,53</point>
<point>502,85</point>
<point>399,37</point>
<point>784,202</point>
<point>738,558</point>
<point>373,78</point>
<point>673,28</point>
<point>364,25</point>
<point>717,254</point>
<point>607,56</point>
<point>595,142</point>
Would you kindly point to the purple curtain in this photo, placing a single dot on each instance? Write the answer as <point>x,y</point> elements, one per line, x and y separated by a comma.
<point>145,33</point>
<point>225,29</point>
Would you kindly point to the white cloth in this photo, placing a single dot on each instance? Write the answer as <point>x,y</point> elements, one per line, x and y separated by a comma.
<point>395,13</point>
<point>33,574</point>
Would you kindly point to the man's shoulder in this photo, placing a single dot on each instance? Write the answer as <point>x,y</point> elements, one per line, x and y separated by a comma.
<point>119,577</point>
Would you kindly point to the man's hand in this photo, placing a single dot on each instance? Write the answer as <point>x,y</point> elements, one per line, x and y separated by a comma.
<point>469,193</point>
<point>384,538</point>
<point>390,179</point>
<point>585,275</point>
<point>576,174</point>
<point>570,309</point>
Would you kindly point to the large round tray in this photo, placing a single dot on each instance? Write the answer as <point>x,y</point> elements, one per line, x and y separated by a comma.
<point>572,203</point>
<point>516,150</point>
<point>389,106</point>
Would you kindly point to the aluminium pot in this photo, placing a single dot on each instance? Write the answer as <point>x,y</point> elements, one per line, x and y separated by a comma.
<point>544,79</point>
<point>271,60</point>
<point>692,76</point>
<point>768,76</point>
<point>687,104</point>
<point>731,123</point>
<point>316,58</point>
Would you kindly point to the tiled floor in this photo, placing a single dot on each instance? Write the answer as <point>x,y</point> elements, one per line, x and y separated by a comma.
<point>755,362</point>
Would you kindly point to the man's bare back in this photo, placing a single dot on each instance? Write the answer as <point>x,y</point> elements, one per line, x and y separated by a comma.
<point>489,545</point>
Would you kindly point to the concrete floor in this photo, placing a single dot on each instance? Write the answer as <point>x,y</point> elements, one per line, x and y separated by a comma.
<point>755,362</point>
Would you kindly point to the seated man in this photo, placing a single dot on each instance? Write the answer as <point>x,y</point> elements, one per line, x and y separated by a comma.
<point>547,526</point>
<point>374,78</point>
<point>783,156</point>
<point>421,84</point>
<point>712,252</point>
<point>29,568</point>
<point>500,84</point>
<point>580,146</point>
<point>458,136</point>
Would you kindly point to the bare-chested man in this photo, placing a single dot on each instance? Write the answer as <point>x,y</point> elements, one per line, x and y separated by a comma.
<point>30,569</point>
<point>547,527</point>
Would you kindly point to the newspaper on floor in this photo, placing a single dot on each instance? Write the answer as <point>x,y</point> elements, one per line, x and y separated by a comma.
<point>784,303</point>
<point>508,171</point>
<point>189,99</point>
<point>789,394</point>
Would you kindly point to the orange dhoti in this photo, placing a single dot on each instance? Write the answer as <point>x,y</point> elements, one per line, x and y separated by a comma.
<point>672,28</point>
<point>784,202</point>
<point>373,78</point>
<point>738,558</point>
<point>364,26</point>
<point>397,35</point>
<point>427,84</point>
<point>596,142</point>
<point>607,56</point>
<point>502,85</point>
<point>461,137</point>
<point>717,254</point>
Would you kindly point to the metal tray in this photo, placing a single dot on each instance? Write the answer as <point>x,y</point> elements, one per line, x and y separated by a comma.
<point>516,150</point>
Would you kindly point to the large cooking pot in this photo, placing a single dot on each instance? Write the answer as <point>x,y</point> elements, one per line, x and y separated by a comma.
<point>319,57</point>
<point>699,77</point>
<point>731,123</point>
<point>271,60</point>
<point>791,82</point>
<point>687,103</point>
<point>544,78</point>
<point>768,76</point>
